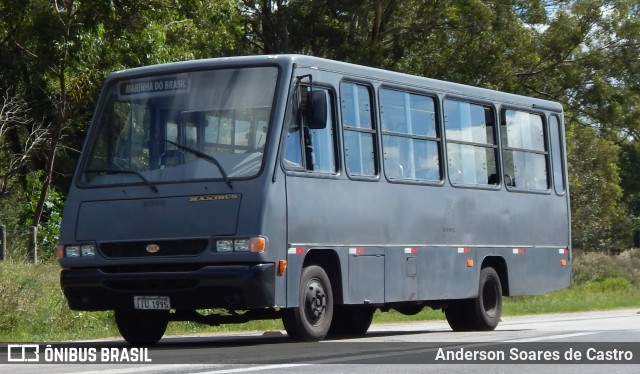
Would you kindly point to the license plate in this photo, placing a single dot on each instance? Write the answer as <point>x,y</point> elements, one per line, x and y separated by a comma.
<point>151,302</point>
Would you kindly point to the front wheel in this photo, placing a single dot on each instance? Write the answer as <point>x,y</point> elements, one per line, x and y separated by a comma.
<point>142,327</point>
<point>311,319</point>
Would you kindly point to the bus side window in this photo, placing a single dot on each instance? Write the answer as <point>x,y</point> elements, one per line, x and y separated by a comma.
<point>358,130</point>
<point>556,154</point>
<point>306,148</point>
<point>471,143</point>
<point>410,138</point>
<point>524,150</point>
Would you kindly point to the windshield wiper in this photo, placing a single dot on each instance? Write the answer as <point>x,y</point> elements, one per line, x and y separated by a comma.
<point>204,156</point>
<point>123,171</point>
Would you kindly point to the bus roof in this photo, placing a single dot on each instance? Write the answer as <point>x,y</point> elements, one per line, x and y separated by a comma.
<point>351,70</point>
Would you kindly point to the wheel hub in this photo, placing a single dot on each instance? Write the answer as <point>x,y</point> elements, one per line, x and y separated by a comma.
<point>315,301</point>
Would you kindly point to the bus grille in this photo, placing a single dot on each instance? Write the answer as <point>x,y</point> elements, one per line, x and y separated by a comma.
<point>160,248</point>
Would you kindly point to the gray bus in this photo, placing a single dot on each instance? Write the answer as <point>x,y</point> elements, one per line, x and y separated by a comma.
<point>315,191</point>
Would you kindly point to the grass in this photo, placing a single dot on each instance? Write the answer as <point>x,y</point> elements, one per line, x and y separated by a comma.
<point>32,307</point>
<point>609,293</point>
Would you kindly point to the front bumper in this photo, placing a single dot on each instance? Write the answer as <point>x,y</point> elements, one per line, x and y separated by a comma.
<point>207,286</point>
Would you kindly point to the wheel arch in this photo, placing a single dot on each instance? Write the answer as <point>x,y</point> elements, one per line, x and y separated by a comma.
<point>499,264</point>
<point>329,260</point>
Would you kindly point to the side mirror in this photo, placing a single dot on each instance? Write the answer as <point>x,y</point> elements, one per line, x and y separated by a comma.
<point>316,112</point>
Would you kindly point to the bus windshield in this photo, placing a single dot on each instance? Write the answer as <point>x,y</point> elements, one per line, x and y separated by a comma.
<point>188,126</point>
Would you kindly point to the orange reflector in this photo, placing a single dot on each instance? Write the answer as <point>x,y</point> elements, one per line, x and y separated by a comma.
<point>258,244</point>
<point>59,252</point>
<point>282,267</point>
<point>563,262</point>
<point>469,263</point>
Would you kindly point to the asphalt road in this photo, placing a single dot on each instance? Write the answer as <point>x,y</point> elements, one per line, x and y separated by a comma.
<point>593,342</point>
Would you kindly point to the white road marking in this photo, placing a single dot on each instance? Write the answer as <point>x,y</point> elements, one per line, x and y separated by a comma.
<point>550,337</point>
<point>254,368</point>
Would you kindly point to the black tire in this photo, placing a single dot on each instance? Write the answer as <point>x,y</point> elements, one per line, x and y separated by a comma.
<point>351,320</point>
<point>482,313</point>
<point>310,321</point>
<point>142,327</point>
<point>458,316</point>
<point>488,306</point>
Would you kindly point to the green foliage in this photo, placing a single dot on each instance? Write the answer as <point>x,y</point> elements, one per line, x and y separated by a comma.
<point>597,267</point>
<point>630,170</point>
<point>583,53</point>
<point>600,281</point>
<point>16,234</point>
<point>609,285</point>
<point>49,227</point>
<point>32,307</point>
<point>599,221</point>
<point>576,298</point>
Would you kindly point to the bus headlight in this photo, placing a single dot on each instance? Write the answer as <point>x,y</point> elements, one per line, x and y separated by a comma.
<point>79,250</point>
<point>87,250</point>
<point>225,245</point>
<point>241,245</point>
<point>72,251</point>
<point>256,244</point>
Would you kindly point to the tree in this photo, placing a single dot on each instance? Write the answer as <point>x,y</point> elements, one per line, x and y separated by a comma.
<point>599,221</point>
<point>629,171</point>
<point>582,53</point>
<point>56,54</point>
<point>14,117</point>
<point>589,61</point>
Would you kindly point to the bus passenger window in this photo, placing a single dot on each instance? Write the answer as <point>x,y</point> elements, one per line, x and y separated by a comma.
<point>359,130</point>
<point>524,151</point>
<point>556,154</point>
<point>306,148</point>
<point>471,143</point>
<point>409,136</point>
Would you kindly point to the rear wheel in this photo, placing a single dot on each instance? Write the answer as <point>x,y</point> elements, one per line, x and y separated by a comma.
<point>482,313</point>
<point>457,314</point>
<point>310,321</point>
<point>488,305</point>
<point>142,327</point>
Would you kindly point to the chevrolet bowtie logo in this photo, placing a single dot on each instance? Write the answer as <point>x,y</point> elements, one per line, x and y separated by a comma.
<point>152,248</point>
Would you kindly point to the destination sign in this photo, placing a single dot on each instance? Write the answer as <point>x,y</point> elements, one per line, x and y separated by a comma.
<point>153,85</point>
